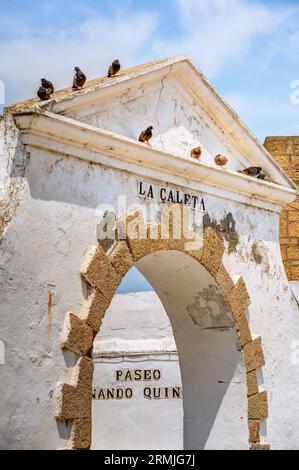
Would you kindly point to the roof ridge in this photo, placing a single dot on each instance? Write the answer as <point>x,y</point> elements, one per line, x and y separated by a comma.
<point>93,83</point>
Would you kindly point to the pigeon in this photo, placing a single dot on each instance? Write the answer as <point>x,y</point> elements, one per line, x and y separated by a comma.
<point>114,68</point>
<point>44,94</point>
<point>252,171</point>
<point>221,160</point>
<point>48,85</point>
<point>196,153</point>
<point>79,79</point>
<point>146,135</point>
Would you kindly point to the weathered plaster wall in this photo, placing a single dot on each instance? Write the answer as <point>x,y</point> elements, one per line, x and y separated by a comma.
<point>13,162</point>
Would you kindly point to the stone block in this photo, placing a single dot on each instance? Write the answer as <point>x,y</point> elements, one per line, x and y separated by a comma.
<point>258,406</point>
<point>260,447</point>
<point>254,430</point>
<point>94,309</point>
<point>83,373</point>
<point>253,355</point>
<point>72,402</point>
<point>77,336</point>
<point>224,281</point>
<point>99,273</point>
<point>252,384</point>
<point>213,250</point>
<point>121,258</point>
<point>80,438</point>
<point>238,299</point>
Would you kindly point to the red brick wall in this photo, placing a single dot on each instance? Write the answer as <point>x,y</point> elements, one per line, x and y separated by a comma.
<point>285,150</point>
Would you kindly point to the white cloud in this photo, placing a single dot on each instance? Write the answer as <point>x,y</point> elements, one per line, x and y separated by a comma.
<point>217,32</point>
<point>30,55</point>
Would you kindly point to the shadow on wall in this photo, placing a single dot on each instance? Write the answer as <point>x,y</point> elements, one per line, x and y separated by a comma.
<point>212,369</point>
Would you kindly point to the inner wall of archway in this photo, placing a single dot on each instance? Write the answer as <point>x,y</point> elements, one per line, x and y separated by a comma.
<point>212,368</point>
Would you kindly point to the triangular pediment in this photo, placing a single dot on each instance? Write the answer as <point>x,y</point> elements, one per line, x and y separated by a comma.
<point>176,99</point>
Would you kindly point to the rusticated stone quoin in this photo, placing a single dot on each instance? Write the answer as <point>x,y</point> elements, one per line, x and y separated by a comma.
<point>213,250</point>
<point>258,406</point>
<point>238,301</point>
<point>260,447</point>
<point>224,281</point>
<point>252,384</point>
<point>72,402</point>
<point>99,272</point>
<point>121,258</point>
<point>77,335</point>
<point>80,438</point>
<point>254,430</point>
<point>253,355</point>
<point>95,308</point>
<point>83,372</point>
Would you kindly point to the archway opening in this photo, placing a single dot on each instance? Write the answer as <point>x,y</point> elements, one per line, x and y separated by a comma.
<point>211,364</point>
<point>137,386</point>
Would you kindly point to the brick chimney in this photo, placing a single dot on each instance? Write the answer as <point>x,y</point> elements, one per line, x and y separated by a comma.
<point>285,150</point>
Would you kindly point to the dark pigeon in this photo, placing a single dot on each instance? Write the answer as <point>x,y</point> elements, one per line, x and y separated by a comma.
<point>114,68</point>
<point>79,79</point>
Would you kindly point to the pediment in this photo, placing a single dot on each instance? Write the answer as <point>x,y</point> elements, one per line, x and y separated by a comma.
<point>184,109</point>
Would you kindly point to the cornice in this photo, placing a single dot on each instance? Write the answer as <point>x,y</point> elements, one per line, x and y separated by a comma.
<point>56,133</point>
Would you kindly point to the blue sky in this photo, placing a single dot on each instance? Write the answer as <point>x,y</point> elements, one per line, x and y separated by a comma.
<point>249,49</point>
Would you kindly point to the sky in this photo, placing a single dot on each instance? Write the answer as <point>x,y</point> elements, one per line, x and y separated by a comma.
<point>248,49</point>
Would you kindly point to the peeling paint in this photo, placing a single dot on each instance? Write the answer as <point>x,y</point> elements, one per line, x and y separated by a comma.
<point>210,310</point>
<point>226,229</point>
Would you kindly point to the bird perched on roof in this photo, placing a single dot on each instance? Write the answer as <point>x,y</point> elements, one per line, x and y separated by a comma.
<point>114,68</point>
<point>48,85</point>
<point>79,79</point>
<point>255,171</point>
<point>221,160</point>
<point>146,135</point>
<point>196,153</point>
<point>44,94</point>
